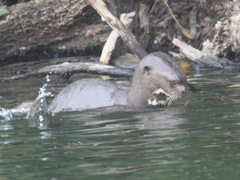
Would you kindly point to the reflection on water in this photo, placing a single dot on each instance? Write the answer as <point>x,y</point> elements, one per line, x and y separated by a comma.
<point>199,140</point>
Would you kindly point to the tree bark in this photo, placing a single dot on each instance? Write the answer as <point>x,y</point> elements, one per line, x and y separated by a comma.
<point>50,29</point>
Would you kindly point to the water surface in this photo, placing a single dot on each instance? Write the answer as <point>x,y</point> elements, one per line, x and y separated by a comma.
<point>197,138</point>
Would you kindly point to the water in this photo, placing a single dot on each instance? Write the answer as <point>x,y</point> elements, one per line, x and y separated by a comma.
<point>197,138</point>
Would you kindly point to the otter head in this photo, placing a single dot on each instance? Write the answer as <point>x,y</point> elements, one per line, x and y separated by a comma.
<point>157,81</point>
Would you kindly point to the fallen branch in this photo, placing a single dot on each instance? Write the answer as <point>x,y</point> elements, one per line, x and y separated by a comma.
<point>95,68</point>
<point>112,39</point>
<point>199,57</point>
<point>118,26</point>
<point>68,69</point>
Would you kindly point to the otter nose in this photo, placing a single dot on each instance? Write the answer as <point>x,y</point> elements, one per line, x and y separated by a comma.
<point>183,89</point>
<point>184,93</point>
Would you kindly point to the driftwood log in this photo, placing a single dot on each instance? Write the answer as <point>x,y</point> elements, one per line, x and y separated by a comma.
<point>38,30</point>
<point>199,57</point>
<point>25,33</point>
<point>95,68</point>
<point>196,55</point>
<point>67,69</point>
<point>51,29</point>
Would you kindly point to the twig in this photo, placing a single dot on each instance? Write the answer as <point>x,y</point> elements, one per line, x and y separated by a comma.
<point>153,6</point>
<point>193,22</point>
<point>185,31</point>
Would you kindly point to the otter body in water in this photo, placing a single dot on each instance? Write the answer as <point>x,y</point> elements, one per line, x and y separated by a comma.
<point>157,81</point>
<point>89,94</point>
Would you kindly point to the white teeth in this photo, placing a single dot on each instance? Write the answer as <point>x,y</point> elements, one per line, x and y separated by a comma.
<point>157,92</point>
<point>168,99</point>
<point>155,102</point>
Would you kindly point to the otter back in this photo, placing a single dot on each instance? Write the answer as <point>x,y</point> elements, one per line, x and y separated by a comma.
<point>89,94</point>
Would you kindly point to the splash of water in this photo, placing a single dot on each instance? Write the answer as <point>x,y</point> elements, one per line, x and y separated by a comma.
<point>35,108</point>
<point>6,113</point>
<point>39,105</point>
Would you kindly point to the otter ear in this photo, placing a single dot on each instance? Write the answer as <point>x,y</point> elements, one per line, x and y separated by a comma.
<point>147,69</point>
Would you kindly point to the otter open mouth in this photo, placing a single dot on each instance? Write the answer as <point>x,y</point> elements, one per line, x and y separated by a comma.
<point>160,98</point>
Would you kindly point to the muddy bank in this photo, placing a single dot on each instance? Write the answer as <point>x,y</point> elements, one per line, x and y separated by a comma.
<point>37,30</point>
<point>51,29</point>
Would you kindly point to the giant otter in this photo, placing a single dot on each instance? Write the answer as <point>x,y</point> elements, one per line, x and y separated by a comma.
<point>157,81</point>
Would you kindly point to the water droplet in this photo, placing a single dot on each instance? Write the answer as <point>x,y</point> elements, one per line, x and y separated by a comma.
<point>48,78</point>
<point>41,118</point>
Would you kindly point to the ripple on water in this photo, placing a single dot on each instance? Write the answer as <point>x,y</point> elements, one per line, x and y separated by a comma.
<point>196,141</point>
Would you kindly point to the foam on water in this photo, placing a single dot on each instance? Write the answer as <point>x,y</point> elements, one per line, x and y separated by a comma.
<point>6,113</point>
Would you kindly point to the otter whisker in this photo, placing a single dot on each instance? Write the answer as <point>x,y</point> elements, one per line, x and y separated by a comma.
<point>171,101</point>
<point>168,103</point>
<point>167,100</point>
<point>174,99</point>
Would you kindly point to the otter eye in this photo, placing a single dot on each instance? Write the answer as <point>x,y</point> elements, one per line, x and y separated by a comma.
<point>175,83</point>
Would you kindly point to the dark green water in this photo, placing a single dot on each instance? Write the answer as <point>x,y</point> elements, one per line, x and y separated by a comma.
<point>198,138</point>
